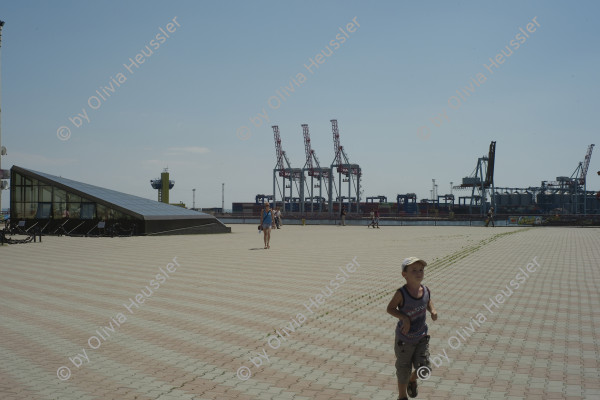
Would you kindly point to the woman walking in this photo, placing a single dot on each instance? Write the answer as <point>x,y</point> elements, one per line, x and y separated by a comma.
<point>266,221</point>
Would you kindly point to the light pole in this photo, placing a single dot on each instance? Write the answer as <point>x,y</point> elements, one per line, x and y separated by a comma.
<point>451,187</point>
<point>193,199</point>
<point>2,149</point>
<point>222,197</point>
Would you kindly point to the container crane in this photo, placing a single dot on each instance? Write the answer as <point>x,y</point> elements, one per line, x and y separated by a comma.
<point>286,172</point>
<point>314,170</point>
<point>566,192</point>
<point>352,172</point>
<point>481,180</point>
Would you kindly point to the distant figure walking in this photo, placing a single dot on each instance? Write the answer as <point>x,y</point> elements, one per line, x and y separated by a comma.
<point>278,217</point>
<point>377,217</point>
<point>372,216</point>
<point>343,215</point>
<point>266,221</point>
<point>490,217</point>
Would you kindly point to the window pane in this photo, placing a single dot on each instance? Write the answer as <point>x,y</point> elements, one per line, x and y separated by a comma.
<point>102,212</point>
<point>73,210</point>
<point>43,210</point>
<point>19,210</point>
<point>60,209</point>
<point>46,194</point>
<point>30,194</point>
<point>60,196</point>
<point>73,198</point>
<point>18,179</point>
<point>118,215</point>
<point>19,194</point>
<point>88,210</point>
<point>29,210</point>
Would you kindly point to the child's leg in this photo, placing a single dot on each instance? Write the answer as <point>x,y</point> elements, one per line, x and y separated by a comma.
<point>404,356</point>
<point>402,389</point>
<point>420,359</point>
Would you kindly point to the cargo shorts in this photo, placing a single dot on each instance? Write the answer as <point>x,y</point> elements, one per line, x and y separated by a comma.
<point>410,355</point>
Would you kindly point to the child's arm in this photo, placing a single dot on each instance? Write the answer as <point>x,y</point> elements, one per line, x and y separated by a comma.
<point>431,309</point>
<point>392,309</point>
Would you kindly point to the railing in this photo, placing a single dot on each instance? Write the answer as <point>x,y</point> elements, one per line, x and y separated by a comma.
<point>395,219</point>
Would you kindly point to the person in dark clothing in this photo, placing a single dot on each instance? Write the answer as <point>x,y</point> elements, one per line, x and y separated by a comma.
<point>490,217</point>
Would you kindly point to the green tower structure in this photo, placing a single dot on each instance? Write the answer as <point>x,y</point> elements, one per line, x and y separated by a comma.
<point>163,185</point>
<point>164,177</point>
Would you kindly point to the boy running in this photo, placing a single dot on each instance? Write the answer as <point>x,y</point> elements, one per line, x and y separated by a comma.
<point>410,305</point>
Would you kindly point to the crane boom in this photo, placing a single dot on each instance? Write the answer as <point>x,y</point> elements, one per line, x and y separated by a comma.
<point>586,164</point>
<point>308,150</point>
<point>279,153</point>
<point>489,174</point>
<point>337,147</point>
<point>314,169</point>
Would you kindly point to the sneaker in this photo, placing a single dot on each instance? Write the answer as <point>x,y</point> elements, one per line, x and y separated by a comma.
<point>412,389</point>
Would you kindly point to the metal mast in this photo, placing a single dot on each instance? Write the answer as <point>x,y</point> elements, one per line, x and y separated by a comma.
<point>4,174</point>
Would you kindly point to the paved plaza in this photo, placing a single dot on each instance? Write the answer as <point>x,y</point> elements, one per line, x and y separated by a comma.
<point>218,317</point>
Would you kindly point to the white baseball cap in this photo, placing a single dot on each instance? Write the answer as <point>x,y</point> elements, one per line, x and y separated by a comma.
<point>411,260</point>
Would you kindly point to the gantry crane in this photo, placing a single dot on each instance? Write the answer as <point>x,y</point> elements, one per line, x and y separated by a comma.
<point>568,189</point>
<point>579,179</point>
<point>583,169</point>
<point>481,180</point>
<point>286,172</point>
<point>352,173</point>
<point>314,170</point>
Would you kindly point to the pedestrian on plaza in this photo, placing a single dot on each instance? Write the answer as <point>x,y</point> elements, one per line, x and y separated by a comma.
<point>372,216</point>
<point>266,222</point>
<point>490,217</point>
<point>376,217</point>
<point>278,217</point>
<point>410,305</point>
<point>343,215</point>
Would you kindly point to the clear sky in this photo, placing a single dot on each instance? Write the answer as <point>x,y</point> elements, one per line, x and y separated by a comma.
<point>389,85</point>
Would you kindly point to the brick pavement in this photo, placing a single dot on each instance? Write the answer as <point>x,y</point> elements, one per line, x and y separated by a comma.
<point>228,299</point>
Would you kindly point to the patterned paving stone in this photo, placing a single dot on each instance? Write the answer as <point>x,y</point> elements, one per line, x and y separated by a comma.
<point>187,317</point>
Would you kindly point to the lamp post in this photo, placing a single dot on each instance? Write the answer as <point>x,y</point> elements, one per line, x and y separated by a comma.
<point>2,149</point>
<point>193,199</point>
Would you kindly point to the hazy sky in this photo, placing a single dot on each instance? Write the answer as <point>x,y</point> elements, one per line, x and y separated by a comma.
<point>413,86</point>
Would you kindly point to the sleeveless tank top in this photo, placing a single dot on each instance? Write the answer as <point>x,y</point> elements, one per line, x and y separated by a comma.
<point>267,218</point>
<point>416,310</point>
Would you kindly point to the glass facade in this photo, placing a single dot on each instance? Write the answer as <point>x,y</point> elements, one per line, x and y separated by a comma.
<point>54,205</point>
<point>34,199</point>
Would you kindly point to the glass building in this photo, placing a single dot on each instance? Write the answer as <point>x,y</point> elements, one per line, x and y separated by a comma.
<point>59,205</point>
